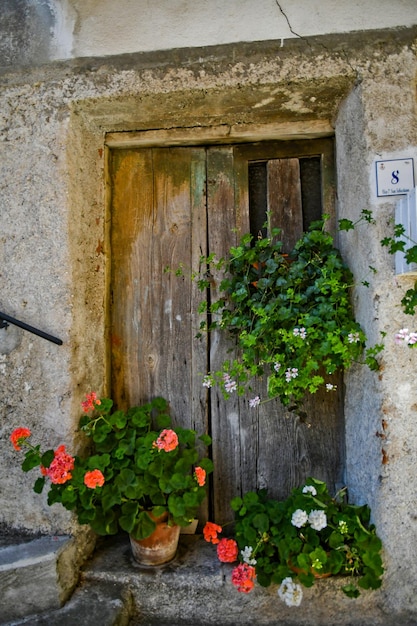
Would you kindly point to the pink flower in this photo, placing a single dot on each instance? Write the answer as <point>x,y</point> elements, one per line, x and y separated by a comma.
<point>94,479</point>
<point>300,332</point>
<point>243,577</point>
<point>412,339</point>
<point>229,384</point>
<point>18,437</point>
<point>200,475</point>
<point>167,440</point>
<point>227,550</point>
<point>59,471</point>
<point>292,372</point>
<point>90,402</point>
<point>254,402</point>
<point>207,381</point>
<point>210,532</point>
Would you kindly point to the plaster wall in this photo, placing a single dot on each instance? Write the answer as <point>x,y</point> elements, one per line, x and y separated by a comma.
<point>54,252</point>
<point>37,31</point>
<point>380,410</point>
<point>182,23</point>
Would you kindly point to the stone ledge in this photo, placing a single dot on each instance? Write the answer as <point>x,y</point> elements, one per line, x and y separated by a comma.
<point>196,589</point>
<point>29,575</point>
<point>98,604</point>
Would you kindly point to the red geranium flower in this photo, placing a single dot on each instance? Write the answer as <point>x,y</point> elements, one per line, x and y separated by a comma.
<point>227,550</point>
<point>200,475</point>
<point>243,577</point>
<point>210,531</point>
<point>59,471</point>
<point>90,402</point>
<point>94,479</point>
<point>167,440</point>
<point>18,436</point>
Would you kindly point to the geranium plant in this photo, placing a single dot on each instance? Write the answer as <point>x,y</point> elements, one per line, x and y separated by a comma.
<point>290,316</point>
<point>139,467</point>
<point>290,543</point>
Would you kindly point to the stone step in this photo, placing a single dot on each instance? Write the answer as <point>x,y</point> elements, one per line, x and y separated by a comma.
<point>195,589</point>
<point>30,580</point>
<point>97,604</point>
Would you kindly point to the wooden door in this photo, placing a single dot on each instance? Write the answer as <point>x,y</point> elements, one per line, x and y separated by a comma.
<point>170,206</point>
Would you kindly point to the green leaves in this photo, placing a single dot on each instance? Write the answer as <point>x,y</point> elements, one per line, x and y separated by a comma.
<point>346,224</point>
<point>128,518</point>
<point>401,242</point>
<point>39,485</point>
<point>33,459</point>
<point>346,545</point>
<point>126,472</point>
<point>409,301</point>
<point>290,315</point>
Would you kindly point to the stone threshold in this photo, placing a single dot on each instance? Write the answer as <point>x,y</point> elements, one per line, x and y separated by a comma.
<point>196,589</point>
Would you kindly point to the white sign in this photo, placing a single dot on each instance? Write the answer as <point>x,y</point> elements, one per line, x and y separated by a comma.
<point>394,177</point>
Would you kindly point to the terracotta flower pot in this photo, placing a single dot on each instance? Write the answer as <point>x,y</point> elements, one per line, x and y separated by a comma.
<point>160,547</point>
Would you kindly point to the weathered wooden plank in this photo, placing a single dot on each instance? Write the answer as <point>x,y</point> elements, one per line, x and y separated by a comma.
<point>224,133</point>
<point>292,447</point>
<point>225,421</point>
<point>311,189</point>
<point>265,150</point>
<point>199,348</point>
<point>249,425</point>
<point>131,214</point>
<point>328,183</point>
<point>166,333</point>
<point>284,200</point>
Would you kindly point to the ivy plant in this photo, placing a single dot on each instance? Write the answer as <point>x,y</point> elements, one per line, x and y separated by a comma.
<point>401,242</point>
<point>289,315</point>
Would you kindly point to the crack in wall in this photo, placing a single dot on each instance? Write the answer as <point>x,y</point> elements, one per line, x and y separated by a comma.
<point>306,40</point>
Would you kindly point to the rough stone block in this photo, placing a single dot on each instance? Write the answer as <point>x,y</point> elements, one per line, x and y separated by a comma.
<point>29,577</point>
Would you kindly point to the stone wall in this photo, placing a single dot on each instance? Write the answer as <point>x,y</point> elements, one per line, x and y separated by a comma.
<point>35,31</point>
<point>54,250</point>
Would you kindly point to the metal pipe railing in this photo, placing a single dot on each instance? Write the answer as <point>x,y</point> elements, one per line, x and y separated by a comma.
<point>5,320</point>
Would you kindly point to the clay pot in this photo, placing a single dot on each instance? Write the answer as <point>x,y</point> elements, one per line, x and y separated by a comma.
<point>160,547</point>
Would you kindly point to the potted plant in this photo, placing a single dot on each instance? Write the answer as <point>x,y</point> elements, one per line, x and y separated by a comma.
<point>290,315</point>
<point>140,471</point>
<point>291,543</point>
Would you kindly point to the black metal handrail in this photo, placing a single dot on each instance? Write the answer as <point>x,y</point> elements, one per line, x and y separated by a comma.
<point>5,320</point>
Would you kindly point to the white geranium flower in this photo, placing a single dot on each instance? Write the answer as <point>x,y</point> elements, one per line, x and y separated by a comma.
<point>310,489</point>
<point>317,520</point>
<point>290,592</point>
<point>299,518</point>
<point>247,555</point>
<point>353,337</point>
